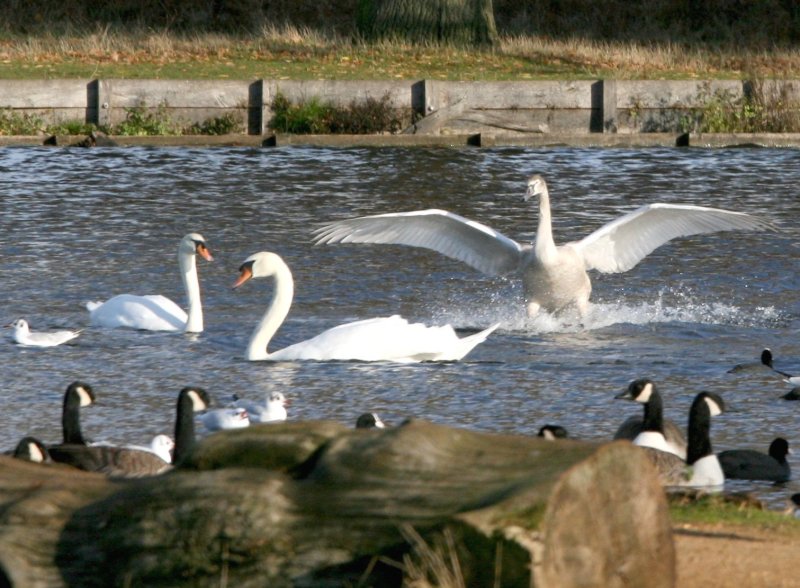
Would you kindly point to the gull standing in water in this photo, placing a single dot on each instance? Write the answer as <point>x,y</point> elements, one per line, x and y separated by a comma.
<point>554,276</point>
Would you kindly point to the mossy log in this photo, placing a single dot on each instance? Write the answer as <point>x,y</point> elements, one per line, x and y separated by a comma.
<point>352,507</point>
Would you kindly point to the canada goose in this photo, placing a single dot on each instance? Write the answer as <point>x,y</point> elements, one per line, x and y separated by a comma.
<point>766,364</point>
<point>31,449</point>
<point>701,468</point>
<point>369,420</point>
<point>552,432</point>
<point>748,464</point>
<point>272,410</point>
<point>554,277</point>
<point>651,430</point>
<point>122,461</point>
<point>77,395</point>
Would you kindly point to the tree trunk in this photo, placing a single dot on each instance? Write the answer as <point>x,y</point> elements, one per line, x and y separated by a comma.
<point>460,22</point>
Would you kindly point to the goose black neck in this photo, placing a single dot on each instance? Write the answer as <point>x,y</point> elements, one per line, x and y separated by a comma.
<point>654,413</point>
<point>71,419</point>
<point>184,428</point>
<point>699,441</point>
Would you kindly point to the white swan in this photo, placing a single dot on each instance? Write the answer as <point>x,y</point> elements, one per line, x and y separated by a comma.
<point>378,339</point>
<point>554,277</point>
<point>156,312</point>
<point>27,338</point>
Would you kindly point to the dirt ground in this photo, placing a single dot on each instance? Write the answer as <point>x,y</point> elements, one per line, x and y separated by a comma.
<point>720,556</point>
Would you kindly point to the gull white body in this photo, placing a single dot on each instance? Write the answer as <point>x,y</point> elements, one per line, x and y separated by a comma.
<point>27,338</point>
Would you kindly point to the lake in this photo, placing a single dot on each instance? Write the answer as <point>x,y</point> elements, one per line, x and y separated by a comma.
<point>81,225</point>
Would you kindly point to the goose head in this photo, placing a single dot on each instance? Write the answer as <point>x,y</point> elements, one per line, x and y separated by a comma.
<point>79,394</point>
<point>639,391</point>
<point>552,432</point>
<point>31,449</point>
<point>195,244</point>
<point>779,449</point>
<point>536,187</point>
<point>369,420</point>
<point>714,402</point>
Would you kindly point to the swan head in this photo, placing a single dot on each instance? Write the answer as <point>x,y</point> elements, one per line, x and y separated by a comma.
<point>639,390</point>
<point>536,187</point>
<point>195,244</point>
<point>259,265</point>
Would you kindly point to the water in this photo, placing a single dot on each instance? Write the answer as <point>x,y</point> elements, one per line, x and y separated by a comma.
<point>80,225</point>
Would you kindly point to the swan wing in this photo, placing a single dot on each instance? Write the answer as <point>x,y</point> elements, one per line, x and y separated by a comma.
<point>619,245</point>
<point>452,235</point>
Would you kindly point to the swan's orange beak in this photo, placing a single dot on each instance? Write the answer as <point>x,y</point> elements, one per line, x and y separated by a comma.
<point>204,252</point>
<point>245,273</point>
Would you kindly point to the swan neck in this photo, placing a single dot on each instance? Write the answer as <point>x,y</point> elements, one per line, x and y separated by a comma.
<point>188,265</point>
<point>276,312</point>
<point>545,245</point>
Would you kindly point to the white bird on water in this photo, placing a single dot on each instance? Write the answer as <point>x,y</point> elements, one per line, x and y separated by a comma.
<point>554,276</point>
<point>379,339</point>
<point>155,312</point>
<point>24,336</point>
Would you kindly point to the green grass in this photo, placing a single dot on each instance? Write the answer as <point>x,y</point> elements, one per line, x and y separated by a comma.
<point>730,510</point>
<point>289,53</point>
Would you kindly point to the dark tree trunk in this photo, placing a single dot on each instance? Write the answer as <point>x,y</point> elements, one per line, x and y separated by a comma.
<point>461,22</point>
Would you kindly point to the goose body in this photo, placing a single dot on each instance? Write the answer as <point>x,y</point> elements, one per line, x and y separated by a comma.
<point>156,312</point>
<point>131,462</point>
<point>27,338</point>
<point>748,464</point>
<point>651,430</point>
<point>554,276</point>
<point>270,411</point>
<point>378,339</point>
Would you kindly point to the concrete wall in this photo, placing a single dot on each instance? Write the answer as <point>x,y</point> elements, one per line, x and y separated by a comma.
<point>581,106</point>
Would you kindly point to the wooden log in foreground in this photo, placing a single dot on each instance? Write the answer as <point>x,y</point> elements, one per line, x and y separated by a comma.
<point>350,507</point>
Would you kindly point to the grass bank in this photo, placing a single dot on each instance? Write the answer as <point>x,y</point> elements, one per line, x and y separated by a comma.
<point>296,53</point>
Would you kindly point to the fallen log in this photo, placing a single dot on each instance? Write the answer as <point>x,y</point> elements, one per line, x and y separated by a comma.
<point>357,507</point>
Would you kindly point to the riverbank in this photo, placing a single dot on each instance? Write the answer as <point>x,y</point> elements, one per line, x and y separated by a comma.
<point>632,141</point>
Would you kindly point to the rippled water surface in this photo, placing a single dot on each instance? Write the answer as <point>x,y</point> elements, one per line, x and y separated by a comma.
<point>80,225</point>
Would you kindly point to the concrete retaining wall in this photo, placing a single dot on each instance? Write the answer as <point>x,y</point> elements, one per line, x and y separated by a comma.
<point>581,106</point>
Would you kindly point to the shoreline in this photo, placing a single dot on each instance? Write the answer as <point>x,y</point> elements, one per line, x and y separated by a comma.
<point>536,140</point>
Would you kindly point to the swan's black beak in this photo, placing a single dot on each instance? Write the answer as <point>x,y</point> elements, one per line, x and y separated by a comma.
<point>245,273</point>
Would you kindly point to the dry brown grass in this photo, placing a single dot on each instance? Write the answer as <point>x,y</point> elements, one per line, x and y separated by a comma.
<point>290,51</point>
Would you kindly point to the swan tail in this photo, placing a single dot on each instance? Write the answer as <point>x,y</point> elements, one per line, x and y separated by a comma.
<point>463,346</point>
